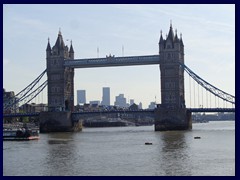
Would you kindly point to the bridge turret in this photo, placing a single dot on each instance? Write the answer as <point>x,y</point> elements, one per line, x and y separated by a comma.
<point>71,52</point>
<point>49,49</point>
<point>176,41</point>
<point>181,41</point>
<point>59,49</point>
<point>170,39</point>
<point>161,43</point>
<point>181,47</point>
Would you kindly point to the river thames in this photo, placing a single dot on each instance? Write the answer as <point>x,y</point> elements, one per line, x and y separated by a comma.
<point>121,151</point>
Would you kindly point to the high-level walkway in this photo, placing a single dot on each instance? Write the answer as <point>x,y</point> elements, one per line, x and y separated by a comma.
<point>113,61</point>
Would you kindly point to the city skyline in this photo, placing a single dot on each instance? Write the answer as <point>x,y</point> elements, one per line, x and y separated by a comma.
<point>82,98</point>
<point>208,33</point>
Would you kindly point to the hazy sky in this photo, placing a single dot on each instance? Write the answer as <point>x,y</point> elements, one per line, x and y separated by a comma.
<point>208,33</point>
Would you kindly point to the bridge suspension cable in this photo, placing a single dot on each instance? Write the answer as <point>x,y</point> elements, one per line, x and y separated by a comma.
<point>209,87</point>
<point>33,94</point>
<point>24,94</point>
<point>32,84</point>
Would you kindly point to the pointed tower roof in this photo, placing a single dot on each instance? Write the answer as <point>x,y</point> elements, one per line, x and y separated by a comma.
<point>181,41</point>
<point>161,38</point>
<point>60,43</point>
<point>170,34</point>
<point>176,39</point>
<point>48,46</point>
<point>71,48</point>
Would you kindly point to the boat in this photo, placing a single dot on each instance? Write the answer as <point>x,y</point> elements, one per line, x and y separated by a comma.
<point>20,134</point>
<point>105,122</point>
<point>197,137</point>
<point>148,143</point>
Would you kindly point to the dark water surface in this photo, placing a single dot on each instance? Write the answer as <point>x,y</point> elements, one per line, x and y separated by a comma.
<point>122,151</point>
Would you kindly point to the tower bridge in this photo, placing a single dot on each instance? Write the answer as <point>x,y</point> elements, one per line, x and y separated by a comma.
<point>171,114</point>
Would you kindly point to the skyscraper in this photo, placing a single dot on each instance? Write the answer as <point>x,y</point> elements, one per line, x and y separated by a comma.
<point>121,101</point>
<point>81,96</point>
<point>152,105</point>
<point>106,96</point>
<point>131,102</point>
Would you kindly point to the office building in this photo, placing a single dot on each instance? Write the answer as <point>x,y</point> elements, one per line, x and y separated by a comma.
<point>131,102</point>
<point>96,102</point>
<point>120,101</point>
<point>152,105</point>
<point>81,96</point>
<point>106,96</point>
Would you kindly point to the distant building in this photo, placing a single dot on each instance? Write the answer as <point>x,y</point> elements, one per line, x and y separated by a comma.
<point>106,96</point>
<point>131,101</point>
<point>94,102</point>
<point>133,107</point>
<point>120,101</point>
<point>86,107</point>
<point>140,106</point>
<point>40,107</point>
<point>152,105</point>
<point>81,96</point>
<point>29,108</point>
<point>8,99</point>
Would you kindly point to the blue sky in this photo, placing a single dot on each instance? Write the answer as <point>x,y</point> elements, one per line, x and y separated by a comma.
<point>208,33</point>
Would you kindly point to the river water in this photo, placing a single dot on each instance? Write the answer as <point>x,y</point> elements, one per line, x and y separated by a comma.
<point>121,151</point>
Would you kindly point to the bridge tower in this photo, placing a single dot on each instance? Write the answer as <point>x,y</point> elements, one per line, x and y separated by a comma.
<point>60,78</point>
<point>60,89</point>
<point>172,114</point>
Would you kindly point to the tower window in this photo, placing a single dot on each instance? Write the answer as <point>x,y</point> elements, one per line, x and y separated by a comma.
<point>169,56</point>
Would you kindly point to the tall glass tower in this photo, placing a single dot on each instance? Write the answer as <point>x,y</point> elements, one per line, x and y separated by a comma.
<point>81,96</point>
<point>106,96</point>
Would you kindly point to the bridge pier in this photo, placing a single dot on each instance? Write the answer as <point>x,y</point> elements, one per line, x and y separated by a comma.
<point>167,119</point>
<point>58,122</point>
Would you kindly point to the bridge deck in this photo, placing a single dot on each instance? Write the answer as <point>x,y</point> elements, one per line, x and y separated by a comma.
<point>211,109</point>
<point>113,61</point>
<point>126,111</point>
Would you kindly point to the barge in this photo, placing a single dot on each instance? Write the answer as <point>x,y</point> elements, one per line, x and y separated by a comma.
<point>20,134</point>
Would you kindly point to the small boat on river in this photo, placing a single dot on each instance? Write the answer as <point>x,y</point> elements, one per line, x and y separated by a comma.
<point>20,134</point>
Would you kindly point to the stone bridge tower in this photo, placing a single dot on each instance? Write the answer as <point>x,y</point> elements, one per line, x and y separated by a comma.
<point>171,53</point>
<point>171,114</point>
<point>60,78</point>
<point>58,118</point>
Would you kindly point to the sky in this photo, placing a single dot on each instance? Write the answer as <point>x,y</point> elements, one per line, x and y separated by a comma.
<point>208,33</point>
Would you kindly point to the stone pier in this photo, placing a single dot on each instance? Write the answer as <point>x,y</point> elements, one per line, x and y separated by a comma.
<point>58,122</point>
<point>167,119</point>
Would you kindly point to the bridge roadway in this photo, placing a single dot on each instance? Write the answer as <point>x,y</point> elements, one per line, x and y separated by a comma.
<point>124,111</point>
<point>113,61</point>
<point>211,109</point>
